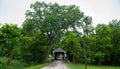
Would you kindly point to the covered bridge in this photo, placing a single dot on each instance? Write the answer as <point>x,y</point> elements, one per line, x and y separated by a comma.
<point>59,54</point>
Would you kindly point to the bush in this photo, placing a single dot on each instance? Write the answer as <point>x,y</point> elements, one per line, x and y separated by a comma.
<point>3,61</point>
<point>15,64</point>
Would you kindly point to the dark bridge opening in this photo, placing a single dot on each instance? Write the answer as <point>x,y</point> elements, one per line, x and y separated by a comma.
<point>59,54</point>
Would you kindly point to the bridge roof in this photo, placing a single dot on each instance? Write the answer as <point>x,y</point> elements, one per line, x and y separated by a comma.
<point>59,50</point>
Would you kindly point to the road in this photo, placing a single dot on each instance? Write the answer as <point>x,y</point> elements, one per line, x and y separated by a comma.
<point>57,65</point>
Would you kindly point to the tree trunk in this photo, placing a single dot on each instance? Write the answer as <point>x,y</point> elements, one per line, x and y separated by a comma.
<point>49,46</point>
<point>73,60</point>
<point>85,56</point>
<point>10,58</point>
<point>47,53</point>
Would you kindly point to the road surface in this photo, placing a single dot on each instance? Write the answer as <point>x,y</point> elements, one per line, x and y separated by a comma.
<point>57,65</point>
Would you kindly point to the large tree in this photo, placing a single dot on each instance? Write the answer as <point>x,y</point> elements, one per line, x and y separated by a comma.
<point>52,19</point>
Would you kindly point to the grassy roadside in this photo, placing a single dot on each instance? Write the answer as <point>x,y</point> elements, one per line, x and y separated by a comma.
<point>16,64</point>
<point>81,66</point>
<point>38,66</point>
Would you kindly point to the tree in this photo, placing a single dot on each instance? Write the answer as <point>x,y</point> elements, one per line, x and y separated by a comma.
<point>87,29</point>
<point>70,43</point>
<point>103,44</point>
<point>1,34</point>
<point>9,39</point>
<point>53,20</point>
<point>34,47</point>
<point>115,35</point>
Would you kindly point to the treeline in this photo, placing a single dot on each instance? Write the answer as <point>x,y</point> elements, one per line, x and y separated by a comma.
<point>49,26</point>
<point>102,45</point>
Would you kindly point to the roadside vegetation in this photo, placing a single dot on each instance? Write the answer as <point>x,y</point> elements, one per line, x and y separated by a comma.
<point>37,66</point>
<point>81,66</point>
<point>14,65</point>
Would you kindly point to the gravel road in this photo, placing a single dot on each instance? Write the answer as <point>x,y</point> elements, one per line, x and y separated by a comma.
<point>57,65</point>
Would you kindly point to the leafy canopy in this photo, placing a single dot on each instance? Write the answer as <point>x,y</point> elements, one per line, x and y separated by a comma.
<point>52,19</point>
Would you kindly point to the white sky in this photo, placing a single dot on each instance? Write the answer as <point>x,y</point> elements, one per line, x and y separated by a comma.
<point>101,11</point>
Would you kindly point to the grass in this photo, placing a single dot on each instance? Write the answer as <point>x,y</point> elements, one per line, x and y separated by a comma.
<point>37,66</point>
<point>40,65</point>
<point>81,66</point>
<point>20,65</point>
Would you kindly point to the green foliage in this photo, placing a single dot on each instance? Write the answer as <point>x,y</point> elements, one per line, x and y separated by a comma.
<point>81,66</point>
<point>103,44</point>
<point>52,20</point>
<point>115,35</point>
<point>33,47</point>
<point>9,39</point>
<point>10,31</point>
<point>48,25</point>
<point>3,61</point>
<point>15,64</point>
<point>87,25</point>
<point>72,46</point>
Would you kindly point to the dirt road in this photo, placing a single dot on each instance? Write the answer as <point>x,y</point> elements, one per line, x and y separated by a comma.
<point>57,65</point>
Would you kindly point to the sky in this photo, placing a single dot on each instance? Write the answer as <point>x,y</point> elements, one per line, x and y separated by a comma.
<point>101,11</point>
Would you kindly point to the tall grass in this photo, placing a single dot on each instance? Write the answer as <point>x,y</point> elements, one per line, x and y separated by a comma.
<point>81,66</point>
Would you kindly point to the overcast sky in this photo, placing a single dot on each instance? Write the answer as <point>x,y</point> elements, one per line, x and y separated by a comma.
<point>101,11</point>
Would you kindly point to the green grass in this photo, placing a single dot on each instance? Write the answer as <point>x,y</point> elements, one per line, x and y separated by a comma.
<point>37,66</point>
<point>40,65</point>
<point>81,66</point>
<point>19,65</point>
